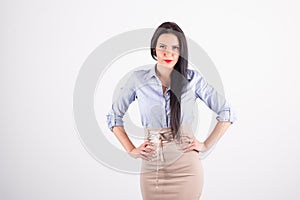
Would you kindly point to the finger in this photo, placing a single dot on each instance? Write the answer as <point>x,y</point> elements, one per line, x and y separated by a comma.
<point>145,156</point>
<point>187,140</point>
<point>148,143</point>
<point>188,146</point>
<point>196,150</point>
<point>147,159</point>
<point>148,150</point>
<point>187,150</point>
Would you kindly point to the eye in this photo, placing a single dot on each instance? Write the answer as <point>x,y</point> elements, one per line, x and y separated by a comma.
<point>176,47</point>
<point>162,46</point>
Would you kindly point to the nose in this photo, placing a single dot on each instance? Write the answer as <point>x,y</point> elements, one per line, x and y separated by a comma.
<point>168,53</point>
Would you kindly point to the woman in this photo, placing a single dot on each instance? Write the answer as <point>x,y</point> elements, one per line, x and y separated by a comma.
<point>166,94</point>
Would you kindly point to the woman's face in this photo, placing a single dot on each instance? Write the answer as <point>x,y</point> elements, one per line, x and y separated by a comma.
<point>167,50</point>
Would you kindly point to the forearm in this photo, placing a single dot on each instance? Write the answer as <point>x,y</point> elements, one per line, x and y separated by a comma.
<point>123,138</point>
<point>217,133</point>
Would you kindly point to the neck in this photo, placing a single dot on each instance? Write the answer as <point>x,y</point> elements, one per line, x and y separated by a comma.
<point>163,72</point>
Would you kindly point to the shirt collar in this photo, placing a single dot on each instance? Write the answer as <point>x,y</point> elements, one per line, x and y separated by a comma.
<point>188,75</point>
<point>152,73</point>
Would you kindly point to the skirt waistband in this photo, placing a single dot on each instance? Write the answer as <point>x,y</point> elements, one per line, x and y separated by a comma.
<point>159,135</point>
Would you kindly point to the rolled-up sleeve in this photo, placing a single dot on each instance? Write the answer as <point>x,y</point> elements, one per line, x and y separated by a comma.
<point>214,100</point>
<point>125,95</point>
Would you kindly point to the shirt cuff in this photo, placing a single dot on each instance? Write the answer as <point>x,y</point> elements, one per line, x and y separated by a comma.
<point>227,115</point>
<point>112,120</point>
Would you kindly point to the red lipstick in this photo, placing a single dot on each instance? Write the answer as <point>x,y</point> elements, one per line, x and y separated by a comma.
<point>168,61</point>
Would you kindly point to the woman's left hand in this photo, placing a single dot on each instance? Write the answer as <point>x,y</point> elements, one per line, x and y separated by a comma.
<point>195,145</point>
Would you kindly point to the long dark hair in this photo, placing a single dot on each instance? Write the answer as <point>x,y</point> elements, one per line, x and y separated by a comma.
<point>178,75</point>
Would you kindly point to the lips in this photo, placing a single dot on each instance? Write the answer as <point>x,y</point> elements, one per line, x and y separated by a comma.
<point>168,61</point>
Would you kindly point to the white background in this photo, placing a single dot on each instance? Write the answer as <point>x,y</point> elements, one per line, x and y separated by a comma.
<point>254,45</point>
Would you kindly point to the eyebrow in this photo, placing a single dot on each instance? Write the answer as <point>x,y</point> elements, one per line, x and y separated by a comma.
<point>167,45</point>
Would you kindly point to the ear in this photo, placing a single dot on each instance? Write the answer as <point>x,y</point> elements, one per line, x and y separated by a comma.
<point>154,52</point>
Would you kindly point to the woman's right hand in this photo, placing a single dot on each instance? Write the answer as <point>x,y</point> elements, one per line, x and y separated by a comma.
<point>144,151</point>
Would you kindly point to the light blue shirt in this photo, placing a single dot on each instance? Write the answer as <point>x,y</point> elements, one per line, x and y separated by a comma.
<point>144,86</point>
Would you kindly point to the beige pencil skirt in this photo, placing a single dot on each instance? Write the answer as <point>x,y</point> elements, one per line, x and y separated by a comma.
<point>172,174</point>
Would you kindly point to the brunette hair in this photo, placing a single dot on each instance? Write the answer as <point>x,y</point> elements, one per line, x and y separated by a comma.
<point>178,75</point>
